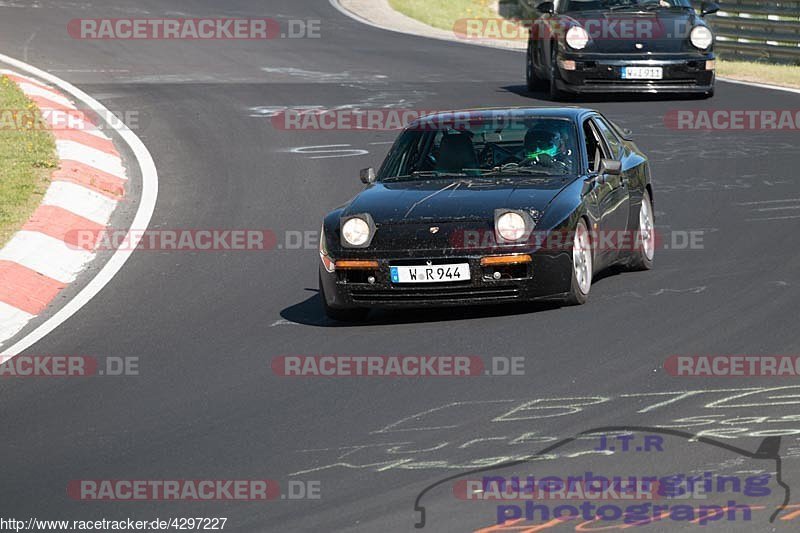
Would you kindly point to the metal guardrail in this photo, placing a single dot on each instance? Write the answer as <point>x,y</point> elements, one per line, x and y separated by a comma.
<point>762,30</point>
<point>757,30</point>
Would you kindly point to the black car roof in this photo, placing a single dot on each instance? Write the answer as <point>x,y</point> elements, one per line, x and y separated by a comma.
<point>493,113</point>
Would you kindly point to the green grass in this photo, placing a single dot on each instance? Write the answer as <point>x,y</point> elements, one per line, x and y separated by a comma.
<point>785,75</point>
<point>443,13</point>
<point>27,157</point>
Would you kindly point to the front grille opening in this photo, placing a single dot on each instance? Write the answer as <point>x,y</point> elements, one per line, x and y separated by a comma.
<point>506,272</point>
<point>434,262</point>
<point>643,83</point>
<point>435,294</point>
<point>356,275</point>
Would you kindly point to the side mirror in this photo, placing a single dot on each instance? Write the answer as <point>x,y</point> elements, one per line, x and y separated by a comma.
<point>707,8</point>
<point>610,167</point>
<point>367,175</point>
<point>546,7</point>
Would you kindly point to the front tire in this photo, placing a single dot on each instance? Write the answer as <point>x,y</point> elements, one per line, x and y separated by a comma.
<point>532,81</point>
<point>582,266</point>
<point>355,314</point>
<point>642,258</point>
<point>555,93</point>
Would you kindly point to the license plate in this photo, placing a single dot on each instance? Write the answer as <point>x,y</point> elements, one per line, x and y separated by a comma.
<point>642,73</point>
<point>430,273</point>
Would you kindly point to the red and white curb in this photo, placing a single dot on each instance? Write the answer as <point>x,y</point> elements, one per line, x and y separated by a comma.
<point>38,262</point>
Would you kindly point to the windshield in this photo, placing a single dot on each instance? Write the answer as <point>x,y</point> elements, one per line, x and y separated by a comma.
<point>599,5</point>
<point>542,146</point>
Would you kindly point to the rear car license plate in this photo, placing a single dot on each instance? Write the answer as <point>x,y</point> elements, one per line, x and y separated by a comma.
<point>430,273</point>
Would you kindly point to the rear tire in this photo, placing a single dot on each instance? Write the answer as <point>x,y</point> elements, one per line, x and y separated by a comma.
<point>582,266</point>
<point>355,314</point>
<point>642,258</point>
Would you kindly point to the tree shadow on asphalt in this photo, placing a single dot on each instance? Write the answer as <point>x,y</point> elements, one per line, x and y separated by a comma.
<point>522,90</point>
<point>309,312</point>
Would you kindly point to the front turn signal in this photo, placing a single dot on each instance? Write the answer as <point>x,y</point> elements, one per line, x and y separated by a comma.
<point>496,260</point>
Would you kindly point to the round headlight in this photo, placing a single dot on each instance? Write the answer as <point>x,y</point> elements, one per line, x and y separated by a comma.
<point>356,231</point>
<point>577,38</point>
<point>511,226</point>
<point>701,37</point>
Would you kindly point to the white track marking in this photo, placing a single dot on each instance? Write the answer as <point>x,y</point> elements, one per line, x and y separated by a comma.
<point>772,218</point>
<point>80,200</point>
<point>46,255</point>
<point>692,290</point>
<point>779,208</point>
<point>770,201</point>
<point>12,320</point>
<point>362,20</point>
<point>339,150</point>
<point>74,151</point>
<point>141,220</point>
<point>760,85</point>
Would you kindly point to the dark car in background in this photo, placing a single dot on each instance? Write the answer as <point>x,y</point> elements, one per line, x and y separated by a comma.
<point>490,206</point>
<point>611,46</point>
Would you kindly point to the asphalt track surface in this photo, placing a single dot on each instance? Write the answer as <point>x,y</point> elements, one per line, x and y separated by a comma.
<point>205,326</point>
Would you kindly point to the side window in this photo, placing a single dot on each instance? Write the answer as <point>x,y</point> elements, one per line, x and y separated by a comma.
<point>595,150</point>
<point>611,138</point>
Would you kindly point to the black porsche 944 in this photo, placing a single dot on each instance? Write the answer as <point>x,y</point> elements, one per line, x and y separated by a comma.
<point>490,206</point>
<point>607,46</point>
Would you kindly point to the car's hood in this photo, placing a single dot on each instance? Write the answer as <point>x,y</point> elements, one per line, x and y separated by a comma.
<point>453,200</point>
<point>662,31</point>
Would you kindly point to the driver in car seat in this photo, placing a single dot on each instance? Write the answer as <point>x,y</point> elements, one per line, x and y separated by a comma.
<point>543,148</point>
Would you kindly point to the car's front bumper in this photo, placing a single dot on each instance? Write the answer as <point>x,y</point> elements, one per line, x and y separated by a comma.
<point>548,276</point>
<point>603,74</point>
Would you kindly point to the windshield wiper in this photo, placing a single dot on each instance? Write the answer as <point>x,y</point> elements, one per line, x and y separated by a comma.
<point>435,174</point>
<point>648,6</point>
<point>626,7</point>
<point>516,170</point>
